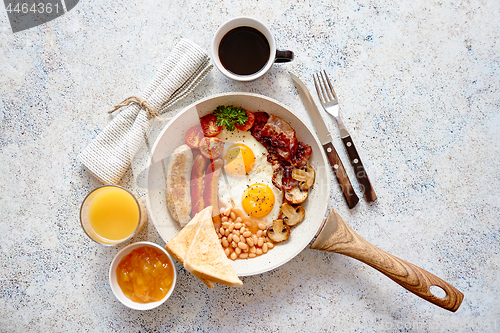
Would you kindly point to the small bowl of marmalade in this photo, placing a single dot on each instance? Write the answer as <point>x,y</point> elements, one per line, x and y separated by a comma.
<point>142,276</point>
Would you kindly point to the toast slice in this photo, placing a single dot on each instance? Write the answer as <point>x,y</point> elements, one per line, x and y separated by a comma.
<point>206,259</point>
<point>179,245</point>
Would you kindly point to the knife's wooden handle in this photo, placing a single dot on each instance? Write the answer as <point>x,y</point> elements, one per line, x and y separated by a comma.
<point>336,236</point>
<point>359,169</point>
<point>338,168</point>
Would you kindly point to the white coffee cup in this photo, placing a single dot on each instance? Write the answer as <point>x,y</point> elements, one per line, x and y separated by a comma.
<point>243,60</point>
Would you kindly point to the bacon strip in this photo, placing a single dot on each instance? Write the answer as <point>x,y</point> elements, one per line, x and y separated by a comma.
<point>211,189</point>
<point>279,139</point>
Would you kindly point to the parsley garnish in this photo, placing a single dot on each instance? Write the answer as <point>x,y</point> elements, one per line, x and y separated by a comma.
<point>228,116</point>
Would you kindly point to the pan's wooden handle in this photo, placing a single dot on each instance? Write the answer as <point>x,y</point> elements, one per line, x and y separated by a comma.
<point>336,236</point>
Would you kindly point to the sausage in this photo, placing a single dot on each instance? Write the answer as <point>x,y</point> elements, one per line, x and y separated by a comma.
<point>178,193</point>
<point>197,184</point>
<point>211,190</point>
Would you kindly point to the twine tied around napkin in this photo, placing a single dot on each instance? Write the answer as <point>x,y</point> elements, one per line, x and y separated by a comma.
<point>151,112</point>
<point>110,154</point>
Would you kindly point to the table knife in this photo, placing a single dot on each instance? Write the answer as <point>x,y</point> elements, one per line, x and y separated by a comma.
<point>326,140</point>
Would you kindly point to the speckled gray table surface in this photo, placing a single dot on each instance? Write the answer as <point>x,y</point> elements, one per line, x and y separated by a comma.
<point>419,84</point>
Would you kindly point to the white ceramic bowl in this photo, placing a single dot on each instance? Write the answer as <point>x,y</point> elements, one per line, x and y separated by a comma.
<point>118,291</point>
<point>173,136</point>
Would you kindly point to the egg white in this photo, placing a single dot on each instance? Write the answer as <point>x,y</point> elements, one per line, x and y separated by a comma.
<point>232,187</point>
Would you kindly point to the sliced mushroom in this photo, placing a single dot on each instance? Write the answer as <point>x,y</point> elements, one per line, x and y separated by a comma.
<point>305,176</point>
<point>279,231</point>
<point>292,215</point>
<point>278,179</point>
<point>296,195</point>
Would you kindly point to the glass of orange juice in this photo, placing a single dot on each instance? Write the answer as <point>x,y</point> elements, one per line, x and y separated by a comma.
<point>111,215</point>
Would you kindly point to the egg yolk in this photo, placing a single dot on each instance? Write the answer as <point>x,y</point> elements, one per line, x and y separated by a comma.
<point>258,200</point>
<point>239,159</point>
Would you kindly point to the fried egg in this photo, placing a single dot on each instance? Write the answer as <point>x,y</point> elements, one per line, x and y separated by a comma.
<point>246,182</point>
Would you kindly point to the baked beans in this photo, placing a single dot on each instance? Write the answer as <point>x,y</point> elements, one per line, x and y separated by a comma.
<point>237,239</point>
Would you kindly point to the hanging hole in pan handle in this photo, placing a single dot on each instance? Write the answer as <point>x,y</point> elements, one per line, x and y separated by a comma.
<point>283,56</point>
<point>438,291</point>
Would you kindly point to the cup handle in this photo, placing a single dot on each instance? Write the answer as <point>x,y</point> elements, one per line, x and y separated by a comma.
<point>283,56</point>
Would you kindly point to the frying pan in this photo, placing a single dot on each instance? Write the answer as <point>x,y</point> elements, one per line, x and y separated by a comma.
<point>331,234</point>
<point>173,135</point>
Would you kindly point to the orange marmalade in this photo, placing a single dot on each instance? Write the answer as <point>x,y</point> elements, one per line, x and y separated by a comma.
<point>145,275</point>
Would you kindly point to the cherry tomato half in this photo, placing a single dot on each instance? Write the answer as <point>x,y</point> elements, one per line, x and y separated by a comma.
<point>209,125</point>
<point>194,136</point>
<point>246,126</point>
<point>211,147</point>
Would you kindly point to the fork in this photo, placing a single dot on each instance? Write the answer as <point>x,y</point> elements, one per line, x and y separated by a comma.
<point>330,103</point>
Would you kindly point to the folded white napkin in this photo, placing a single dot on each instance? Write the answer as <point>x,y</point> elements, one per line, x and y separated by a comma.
<point>109,155</point>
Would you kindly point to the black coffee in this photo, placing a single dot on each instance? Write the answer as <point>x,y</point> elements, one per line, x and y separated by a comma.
<point>244,51</point>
